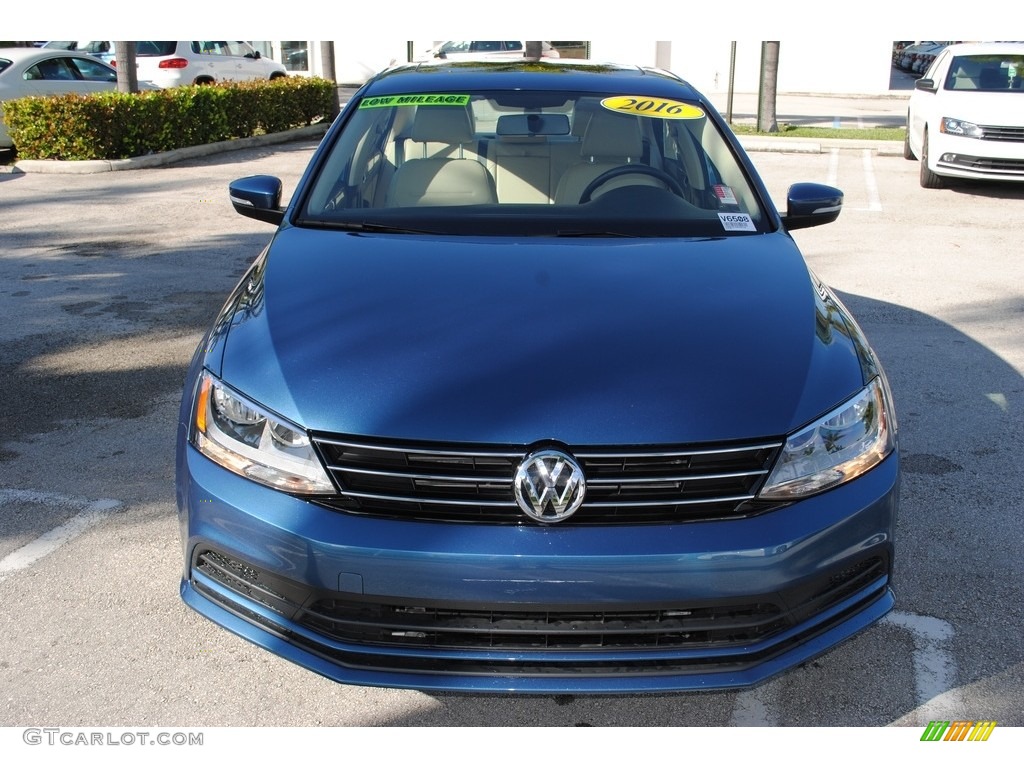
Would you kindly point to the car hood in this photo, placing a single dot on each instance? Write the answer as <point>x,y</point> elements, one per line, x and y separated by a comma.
<point>510,340</point>
<point>996,108</point>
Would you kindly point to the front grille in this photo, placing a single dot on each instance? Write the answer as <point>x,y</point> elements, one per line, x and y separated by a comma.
<point>527,629</point>
<point>1002,133</point>
<point>522,630</point>
<point>459,483</point>
<point>531,628</point>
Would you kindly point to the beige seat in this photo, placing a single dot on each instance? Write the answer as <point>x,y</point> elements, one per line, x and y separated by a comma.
<point>610,140</point>
<point>445,176</point>
<point>522,169</point>
<point>967,76</point>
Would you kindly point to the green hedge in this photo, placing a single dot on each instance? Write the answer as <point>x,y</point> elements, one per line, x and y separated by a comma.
<point>112,125</point>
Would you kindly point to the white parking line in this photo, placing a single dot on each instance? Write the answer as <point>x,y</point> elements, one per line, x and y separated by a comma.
<point>752,707</point>
<point>832,177</point>
<point>934,669</point>
<point>934,665</point>
<point>91,513</point>
<point>870,182</point>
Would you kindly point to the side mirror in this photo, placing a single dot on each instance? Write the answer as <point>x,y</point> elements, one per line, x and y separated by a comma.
<point>258,197</point>
<point>810,205</point>
<point>926,85</point>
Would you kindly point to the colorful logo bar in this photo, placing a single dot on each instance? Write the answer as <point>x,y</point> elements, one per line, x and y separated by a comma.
<point>958,730</point>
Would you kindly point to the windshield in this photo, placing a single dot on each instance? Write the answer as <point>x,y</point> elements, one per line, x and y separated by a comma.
<point>535,163</point>
<point>1002,72</point>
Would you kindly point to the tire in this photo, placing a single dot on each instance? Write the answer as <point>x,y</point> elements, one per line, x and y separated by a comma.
<point>929,180</point>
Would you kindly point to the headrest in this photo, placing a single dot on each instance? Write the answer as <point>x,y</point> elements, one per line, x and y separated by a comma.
<point>448,125</point>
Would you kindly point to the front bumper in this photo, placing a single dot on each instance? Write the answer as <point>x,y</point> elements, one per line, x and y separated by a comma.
<point>968,158</point>
<point>604,609</point>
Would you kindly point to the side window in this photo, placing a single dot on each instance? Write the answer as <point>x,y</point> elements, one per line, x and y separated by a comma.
<point>50,69</point>
<point>485,46</point>
<point>92,70</point>
<point>240,48</point>
<point>211,47</point>
<point>513,45</point>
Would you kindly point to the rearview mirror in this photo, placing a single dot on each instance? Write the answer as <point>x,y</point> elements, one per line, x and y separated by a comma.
<point>533,124</point>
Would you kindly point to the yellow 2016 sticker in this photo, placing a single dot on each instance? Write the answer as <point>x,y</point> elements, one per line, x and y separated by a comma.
<point>650,106</point>
<point>416,99</point>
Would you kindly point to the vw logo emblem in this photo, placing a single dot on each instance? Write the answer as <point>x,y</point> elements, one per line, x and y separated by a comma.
<point>549,486</point>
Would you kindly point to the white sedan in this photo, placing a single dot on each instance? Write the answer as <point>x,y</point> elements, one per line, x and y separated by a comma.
<point>966,115</point>
<point>485,50</point>
<point>49,72</point>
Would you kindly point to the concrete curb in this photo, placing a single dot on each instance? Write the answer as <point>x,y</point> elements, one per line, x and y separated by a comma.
<point>762,144</point>
<point>163,158</point>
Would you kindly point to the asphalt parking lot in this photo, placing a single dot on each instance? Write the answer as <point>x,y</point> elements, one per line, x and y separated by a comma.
<point>108,281</point>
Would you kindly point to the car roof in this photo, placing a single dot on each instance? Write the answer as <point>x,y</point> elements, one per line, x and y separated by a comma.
<point>555,74</point>
<point>21,55</point>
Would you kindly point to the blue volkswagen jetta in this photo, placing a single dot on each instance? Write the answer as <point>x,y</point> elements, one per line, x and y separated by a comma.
<point>533,391</point>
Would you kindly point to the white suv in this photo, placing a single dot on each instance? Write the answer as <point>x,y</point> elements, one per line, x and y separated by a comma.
<point>187,62</point>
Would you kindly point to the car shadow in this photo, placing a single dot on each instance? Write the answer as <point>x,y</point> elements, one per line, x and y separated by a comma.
<point>1001,190</point>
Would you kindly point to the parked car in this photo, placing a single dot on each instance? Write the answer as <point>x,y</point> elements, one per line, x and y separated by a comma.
<point>484,50</point>
<point>910,54</point>
<point>196,62</point>
<point>924,58</point>
<point>48,72</point>
<point>897,49</point>
<point>965,117</point>
<point>533,391</point>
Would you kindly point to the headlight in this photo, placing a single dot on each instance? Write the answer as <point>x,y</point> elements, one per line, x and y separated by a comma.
<point>842,445</point>
<point>956,127</point>
<point>253,442</point>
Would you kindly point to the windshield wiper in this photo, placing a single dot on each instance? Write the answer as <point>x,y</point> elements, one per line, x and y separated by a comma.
<point>370,226</point>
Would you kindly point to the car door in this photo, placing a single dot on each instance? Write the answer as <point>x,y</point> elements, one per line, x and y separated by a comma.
<point>247,62</point>
<point>210,59</point>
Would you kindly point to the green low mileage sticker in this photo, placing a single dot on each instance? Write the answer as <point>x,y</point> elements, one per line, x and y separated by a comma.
<point>647,106</point>
<point>415,99</point>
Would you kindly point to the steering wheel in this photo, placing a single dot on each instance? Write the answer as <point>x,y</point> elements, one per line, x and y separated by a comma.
<point>623,170</point>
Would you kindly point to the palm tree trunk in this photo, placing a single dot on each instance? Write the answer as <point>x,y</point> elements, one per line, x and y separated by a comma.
<point>127,77</point>
<point>766,122</point>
